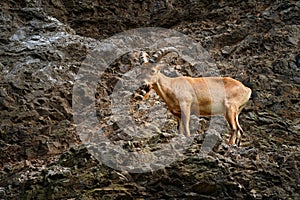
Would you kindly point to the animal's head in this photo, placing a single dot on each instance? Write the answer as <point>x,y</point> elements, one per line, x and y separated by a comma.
<point>150,67</point>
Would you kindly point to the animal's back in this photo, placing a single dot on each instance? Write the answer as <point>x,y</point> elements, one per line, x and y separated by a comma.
<point>213,93</point>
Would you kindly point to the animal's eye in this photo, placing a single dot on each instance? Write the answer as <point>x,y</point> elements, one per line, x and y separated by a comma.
<point>153,71</point>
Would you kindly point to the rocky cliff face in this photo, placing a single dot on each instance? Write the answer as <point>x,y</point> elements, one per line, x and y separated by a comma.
<point>42,47</point>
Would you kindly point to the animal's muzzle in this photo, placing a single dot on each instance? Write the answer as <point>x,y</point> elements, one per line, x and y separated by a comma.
<point>145,83</point>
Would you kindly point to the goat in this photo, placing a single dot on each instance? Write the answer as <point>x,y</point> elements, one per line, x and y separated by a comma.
<point>202,96</point>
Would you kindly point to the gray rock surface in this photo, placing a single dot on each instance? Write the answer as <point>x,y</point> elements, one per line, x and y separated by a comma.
<point>42,46</point>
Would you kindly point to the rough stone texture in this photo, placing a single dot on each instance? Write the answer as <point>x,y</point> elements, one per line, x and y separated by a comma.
<point>42,45</point>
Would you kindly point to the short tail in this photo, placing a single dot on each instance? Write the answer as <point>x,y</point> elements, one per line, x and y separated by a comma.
<point>253,93</point>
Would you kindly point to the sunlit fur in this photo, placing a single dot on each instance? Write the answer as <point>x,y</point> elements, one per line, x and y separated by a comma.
<point>199,96</point>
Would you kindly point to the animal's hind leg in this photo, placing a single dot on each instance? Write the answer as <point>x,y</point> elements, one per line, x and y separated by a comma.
<point>230,115</point>
<point>240,130</point>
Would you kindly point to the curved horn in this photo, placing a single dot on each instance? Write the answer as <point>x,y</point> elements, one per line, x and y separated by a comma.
<point>144,57</point>
<point>157,56</point>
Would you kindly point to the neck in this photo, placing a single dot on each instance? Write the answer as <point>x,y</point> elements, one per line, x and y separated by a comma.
<point>162,86</point>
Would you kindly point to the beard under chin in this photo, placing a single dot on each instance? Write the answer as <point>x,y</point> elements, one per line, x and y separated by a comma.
<point>146,87</point>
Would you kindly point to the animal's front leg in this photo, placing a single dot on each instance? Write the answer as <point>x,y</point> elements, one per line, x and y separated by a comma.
<point>180,126</point>
<point>185,118</point>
